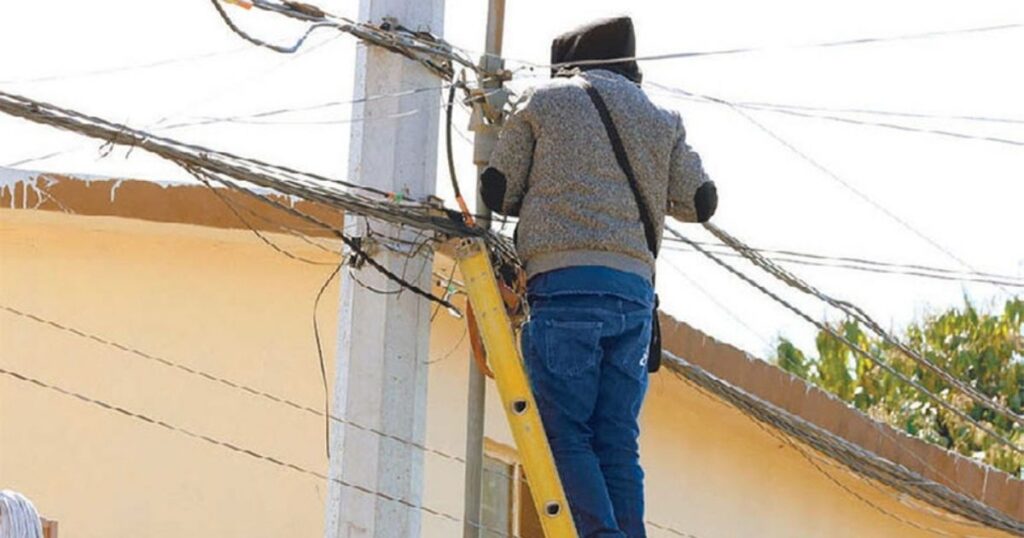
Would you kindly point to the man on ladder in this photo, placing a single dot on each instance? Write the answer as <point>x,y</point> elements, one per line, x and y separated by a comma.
<point>592,167</point>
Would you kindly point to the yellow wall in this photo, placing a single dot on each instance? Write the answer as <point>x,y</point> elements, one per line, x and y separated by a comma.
<point>224,302</point>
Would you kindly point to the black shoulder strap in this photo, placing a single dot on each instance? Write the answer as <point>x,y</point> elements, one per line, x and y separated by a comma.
<point>623,159</point>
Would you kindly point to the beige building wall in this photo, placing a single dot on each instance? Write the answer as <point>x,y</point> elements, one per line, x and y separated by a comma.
<point>222,301</point>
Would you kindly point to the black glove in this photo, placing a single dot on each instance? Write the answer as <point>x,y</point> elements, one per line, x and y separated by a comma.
<point>492,189</point>
<point>706,201</point>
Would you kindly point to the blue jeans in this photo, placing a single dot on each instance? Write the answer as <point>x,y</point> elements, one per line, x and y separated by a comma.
<point>585,348</point>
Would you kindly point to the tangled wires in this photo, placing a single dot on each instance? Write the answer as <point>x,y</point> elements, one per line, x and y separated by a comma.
<point>18,516</point>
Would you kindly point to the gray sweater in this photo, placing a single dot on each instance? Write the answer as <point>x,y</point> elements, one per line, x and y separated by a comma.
<point>563,181</point>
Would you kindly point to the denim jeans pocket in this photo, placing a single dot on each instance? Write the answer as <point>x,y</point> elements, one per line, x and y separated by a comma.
<point>631,348</point>
<point>570,348</point>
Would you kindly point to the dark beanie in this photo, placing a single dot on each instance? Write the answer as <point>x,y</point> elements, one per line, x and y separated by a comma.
<point>607,39</point>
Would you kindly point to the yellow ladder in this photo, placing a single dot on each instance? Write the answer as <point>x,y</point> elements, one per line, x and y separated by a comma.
<point>514,387</point>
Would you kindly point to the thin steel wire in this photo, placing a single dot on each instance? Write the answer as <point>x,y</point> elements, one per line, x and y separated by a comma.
<point>745,50</point>
<point>795,443</point>
<point>857,349</point>
<point>127,68</point>
<point>231,384</point>
<point>857,459</point>
<point>236,448</point>
<point>857,313</point>
<point>698,97</point>
<point>678,247</point>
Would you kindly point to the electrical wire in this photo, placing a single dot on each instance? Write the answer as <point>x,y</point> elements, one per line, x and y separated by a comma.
<point>877,112</point>
<point>787,438</point>
<point>1001,281</point>
<point>745,50</point>
<point>258,42</point>
<point>230,205</point>
<point>672,244</point>
<point>128,68</point>
<point>852,346</point>
<point>856,260</point>
<point>430,51</point>
<point>862,317</point>
<point>791,111</point>
<point>715,301</point>
<point>228,168</point>
<point>191,104</point>
<point>323,362</point>
<point>893,126</point>
<point>257,392</point>
<point>449,110</point>
<point>308,108</point>
<point>849,186</point>
<point>232,384</point>
<point>232,447</point>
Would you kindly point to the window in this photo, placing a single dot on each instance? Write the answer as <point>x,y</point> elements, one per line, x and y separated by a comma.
<point>496,510</point>
<point>506,503</point>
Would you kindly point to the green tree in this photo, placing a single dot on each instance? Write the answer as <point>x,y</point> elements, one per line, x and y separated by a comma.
<point>985,350</point>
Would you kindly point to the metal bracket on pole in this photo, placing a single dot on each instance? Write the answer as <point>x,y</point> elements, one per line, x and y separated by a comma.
<point>488,100</point>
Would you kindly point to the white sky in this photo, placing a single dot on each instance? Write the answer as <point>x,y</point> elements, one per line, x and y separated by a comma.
<point>967,195</point>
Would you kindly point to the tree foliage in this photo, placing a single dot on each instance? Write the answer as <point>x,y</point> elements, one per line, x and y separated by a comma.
<point>985,350</point>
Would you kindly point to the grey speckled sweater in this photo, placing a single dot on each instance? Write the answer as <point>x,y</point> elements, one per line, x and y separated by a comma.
<point>574,203</point>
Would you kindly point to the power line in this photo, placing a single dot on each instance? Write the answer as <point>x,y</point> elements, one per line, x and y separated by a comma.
<point>206,181</point>
<point>226,168</point>
<point>794,111</point>
<point>714,300</point>
<point>432,52</point>
<point>234,385</point>
<point>834,176</point>
<point>745,50</point>
<point>282,464</point>
<point>867,266</point>
<point>191,104</point>
<point>823,44</point>
<point>895,126</point>
<point>848,186</point>
<point>780,434</point>
<point>861,316</point>
<point>864,261</point>
<point>852,346</point>
<point>258,42</point>
<point>877,112</point>
<point>307,108</point>
<point>127,68</point>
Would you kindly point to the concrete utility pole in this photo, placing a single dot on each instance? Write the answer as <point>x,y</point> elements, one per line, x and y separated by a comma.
<point>383,342</point>
<point>483,143</point>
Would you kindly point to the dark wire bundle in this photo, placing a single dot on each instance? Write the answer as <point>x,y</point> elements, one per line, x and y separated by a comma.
<point>242,173</point>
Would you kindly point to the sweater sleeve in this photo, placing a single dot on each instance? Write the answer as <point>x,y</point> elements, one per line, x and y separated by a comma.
<point>689,189</point>
<point>504,183</point>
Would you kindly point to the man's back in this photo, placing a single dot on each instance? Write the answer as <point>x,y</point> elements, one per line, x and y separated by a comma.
<point>574,201</point>
<point>589,336</point>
